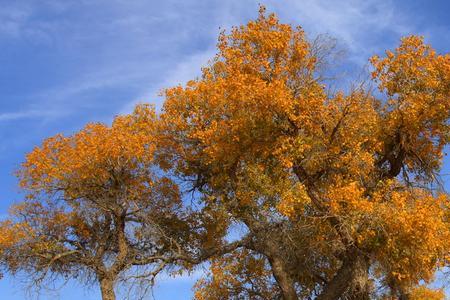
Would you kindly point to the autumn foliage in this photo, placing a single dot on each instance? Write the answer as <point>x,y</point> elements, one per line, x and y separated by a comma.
<point>96,208</point>
<point>336,194</point>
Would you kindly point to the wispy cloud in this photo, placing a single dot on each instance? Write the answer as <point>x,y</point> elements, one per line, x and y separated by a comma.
<point>131,48</point>
<point>187,69</point>
<point>12,19</point>
<point>363,27</point>
<point>18,20</point>
<point>29,114</point>
<point>141,47</point>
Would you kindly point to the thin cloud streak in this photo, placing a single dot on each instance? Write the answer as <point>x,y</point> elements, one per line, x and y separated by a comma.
<point>359,25</point>
<point>186,70</point>
<point>13,116</point>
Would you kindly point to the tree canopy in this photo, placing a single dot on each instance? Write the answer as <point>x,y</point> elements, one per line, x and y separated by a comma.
<point>96,208</point>
<point>337,194</point>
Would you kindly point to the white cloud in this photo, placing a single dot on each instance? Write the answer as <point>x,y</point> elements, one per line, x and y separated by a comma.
<point>189,68</point>
<point>12,116</point>
<point>139,46</point>
<point>360,25</point>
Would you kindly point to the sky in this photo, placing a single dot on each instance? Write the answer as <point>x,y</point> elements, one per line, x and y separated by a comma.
<point>65,63</point>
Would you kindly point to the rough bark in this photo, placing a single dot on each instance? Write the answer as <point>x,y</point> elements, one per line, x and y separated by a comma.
<point>267,244</point>
<point>283,279</point>
<point>107,289</point>
<point>352,278</point>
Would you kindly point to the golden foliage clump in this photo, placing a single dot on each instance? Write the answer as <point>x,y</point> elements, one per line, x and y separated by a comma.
<point>88,158</point>
<point>415,237</point>
<point>415,115</point>
<point>238,275</point>
<point>424,293</point>
<point>243,104</point>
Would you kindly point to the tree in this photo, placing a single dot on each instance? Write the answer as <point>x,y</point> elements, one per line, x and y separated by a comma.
<point>97,208</point>
<point>336,190</point>
<point>336,194</point>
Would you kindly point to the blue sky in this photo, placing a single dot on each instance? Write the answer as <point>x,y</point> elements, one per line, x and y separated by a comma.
<point>64,63</point>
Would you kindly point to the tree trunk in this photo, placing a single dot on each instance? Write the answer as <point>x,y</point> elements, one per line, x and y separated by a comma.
<point>107,289</point>
<point>351,278</point>
<point>269,246</point>
<point>283,279</point>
